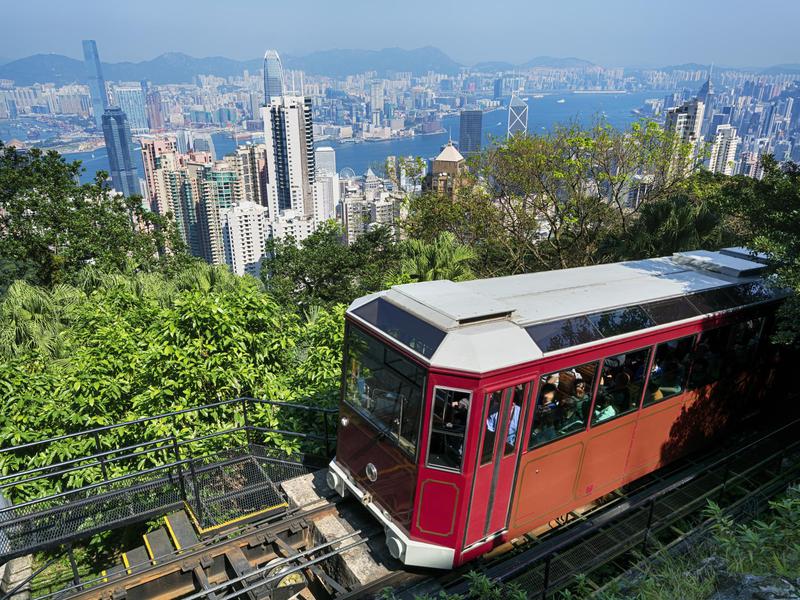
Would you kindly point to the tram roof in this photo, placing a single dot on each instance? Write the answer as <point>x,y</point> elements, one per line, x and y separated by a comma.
<point>486,324</point>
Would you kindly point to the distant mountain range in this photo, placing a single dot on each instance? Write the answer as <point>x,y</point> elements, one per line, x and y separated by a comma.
<point>175,67</point>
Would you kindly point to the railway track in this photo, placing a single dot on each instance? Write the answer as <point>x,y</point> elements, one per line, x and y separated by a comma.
<point>744,479</point>
<point>271,558</point>
<point>281,557</point>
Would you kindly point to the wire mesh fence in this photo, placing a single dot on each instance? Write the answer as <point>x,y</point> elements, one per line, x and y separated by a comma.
<point>222,461</point>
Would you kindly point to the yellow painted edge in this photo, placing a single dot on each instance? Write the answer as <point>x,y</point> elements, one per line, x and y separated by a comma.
<point>232,521</point>
<point>149,549</point>
<point>103,574</point>
<point>126,563</point>
<point>172,533</point>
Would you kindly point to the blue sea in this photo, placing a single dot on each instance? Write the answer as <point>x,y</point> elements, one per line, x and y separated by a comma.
<point>543,114</point>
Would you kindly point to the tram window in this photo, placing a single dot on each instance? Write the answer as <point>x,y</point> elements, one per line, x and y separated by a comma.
<point>384,386</point>
<point>670,373</point>
<point>563,404</point>
<point>620,321</point>
<point>713,300</point>
<point>709,357</point>
<point>494,402</point>
<point>407,329</point>
<point>669,311</point>
<point>621,383</point>
<point>743,343</point>
<point>563,334</point>
<point>449,419</point>
<point>514,415</point>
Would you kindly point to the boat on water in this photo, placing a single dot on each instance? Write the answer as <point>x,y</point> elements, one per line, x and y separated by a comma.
<point>537,96</point>
<point>560,101</point>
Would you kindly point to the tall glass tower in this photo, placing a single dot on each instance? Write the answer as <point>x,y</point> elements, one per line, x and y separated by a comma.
<point>97,85</point>
<point>117,134</point>
<point>517,116</point>
<point>470,131</point>
<point>131,100</point>
<point>273,76</point>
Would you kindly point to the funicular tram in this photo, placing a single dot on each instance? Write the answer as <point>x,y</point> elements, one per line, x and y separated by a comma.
<point>474,412</point>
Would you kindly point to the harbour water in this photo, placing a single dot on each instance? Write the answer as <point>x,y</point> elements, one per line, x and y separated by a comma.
<point>543,114</point>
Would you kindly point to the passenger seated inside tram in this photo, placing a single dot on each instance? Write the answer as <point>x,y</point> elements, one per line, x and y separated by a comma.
<point>581,397</point>
<point>513,423</point>
<point>604,408</point>
<point>543,428</point>
<point>547,397</point>
<point>669,380</point>
<point>570,416</point>
<point>615,390</point>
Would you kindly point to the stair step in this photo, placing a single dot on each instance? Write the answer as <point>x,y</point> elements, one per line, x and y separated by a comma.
<point>113,573</point>
<point>136,560</point>
<point>158,544</point>
<point>181,530</point>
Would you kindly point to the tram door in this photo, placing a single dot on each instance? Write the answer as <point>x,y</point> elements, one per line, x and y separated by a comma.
<point>501,426</point>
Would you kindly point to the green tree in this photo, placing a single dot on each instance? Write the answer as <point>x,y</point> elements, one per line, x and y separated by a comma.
<point>768,212</point>
<point>444,258</point>
<point>666,226</point>
<point>546,201</point>
<point>51,226</point>
<point>324,270</point>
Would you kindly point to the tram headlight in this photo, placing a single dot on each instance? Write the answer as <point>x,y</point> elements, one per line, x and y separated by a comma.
<point>395,546</point>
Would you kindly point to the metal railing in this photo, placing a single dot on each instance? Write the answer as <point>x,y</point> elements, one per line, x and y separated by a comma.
<point>131,471</point>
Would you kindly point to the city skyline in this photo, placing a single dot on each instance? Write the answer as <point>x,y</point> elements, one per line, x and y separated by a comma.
<point>577,30</point>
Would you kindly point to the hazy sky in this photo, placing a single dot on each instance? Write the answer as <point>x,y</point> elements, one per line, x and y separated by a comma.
<point>609,32</point>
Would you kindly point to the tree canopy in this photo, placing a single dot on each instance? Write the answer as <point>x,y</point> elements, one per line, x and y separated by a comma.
<point>51,226</point>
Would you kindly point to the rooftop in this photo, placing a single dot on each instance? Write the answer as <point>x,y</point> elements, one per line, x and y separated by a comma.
<point>502,308</point>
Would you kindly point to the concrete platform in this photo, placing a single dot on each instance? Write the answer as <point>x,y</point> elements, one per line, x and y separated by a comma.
<point>357,566</point>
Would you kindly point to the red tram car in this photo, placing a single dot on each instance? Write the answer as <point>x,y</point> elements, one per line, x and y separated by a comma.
<point>474,412</point>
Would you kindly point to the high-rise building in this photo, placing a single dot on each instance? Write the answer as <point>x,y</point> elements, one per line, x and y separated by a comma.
<point>723,150</point>
<point>97,84</point>
<point>326,195</point>
<point>517,116</point>
<point>274,85</point>
<point>202,142</point>
<point>155,117</point>
<point>131,100</point>
<point>376,101</point>
<point>250,162</point>
<point>289,136</point>
<point>470,131</point>
<point>152,151</point>
<point>117,134</point>
<point>325,159</point>
<point>245,230</point>
<point>685,122</point>
<point>220,191</point>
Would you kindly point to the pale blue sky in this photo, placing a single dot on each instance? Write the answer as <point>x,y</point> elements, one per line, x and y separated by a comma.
<point>609,32</point>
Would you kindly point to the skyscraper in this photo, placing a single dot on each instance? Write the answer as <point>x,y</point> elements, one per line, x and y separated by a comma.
<point>685,122</point>
<point>131,100</point>
<point>154,115</point>
<point>723,150</point>
<point>274,85</point>
<point>517,116</point>
<point>325,159</point>
<point>245,229</point>
<point>376,101</point>
<point>289,136</point>
<point>117,134</point>
<point>152,151</point>
<point>250,162</point>
<point>97,85</point>
<point>470,131</point>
